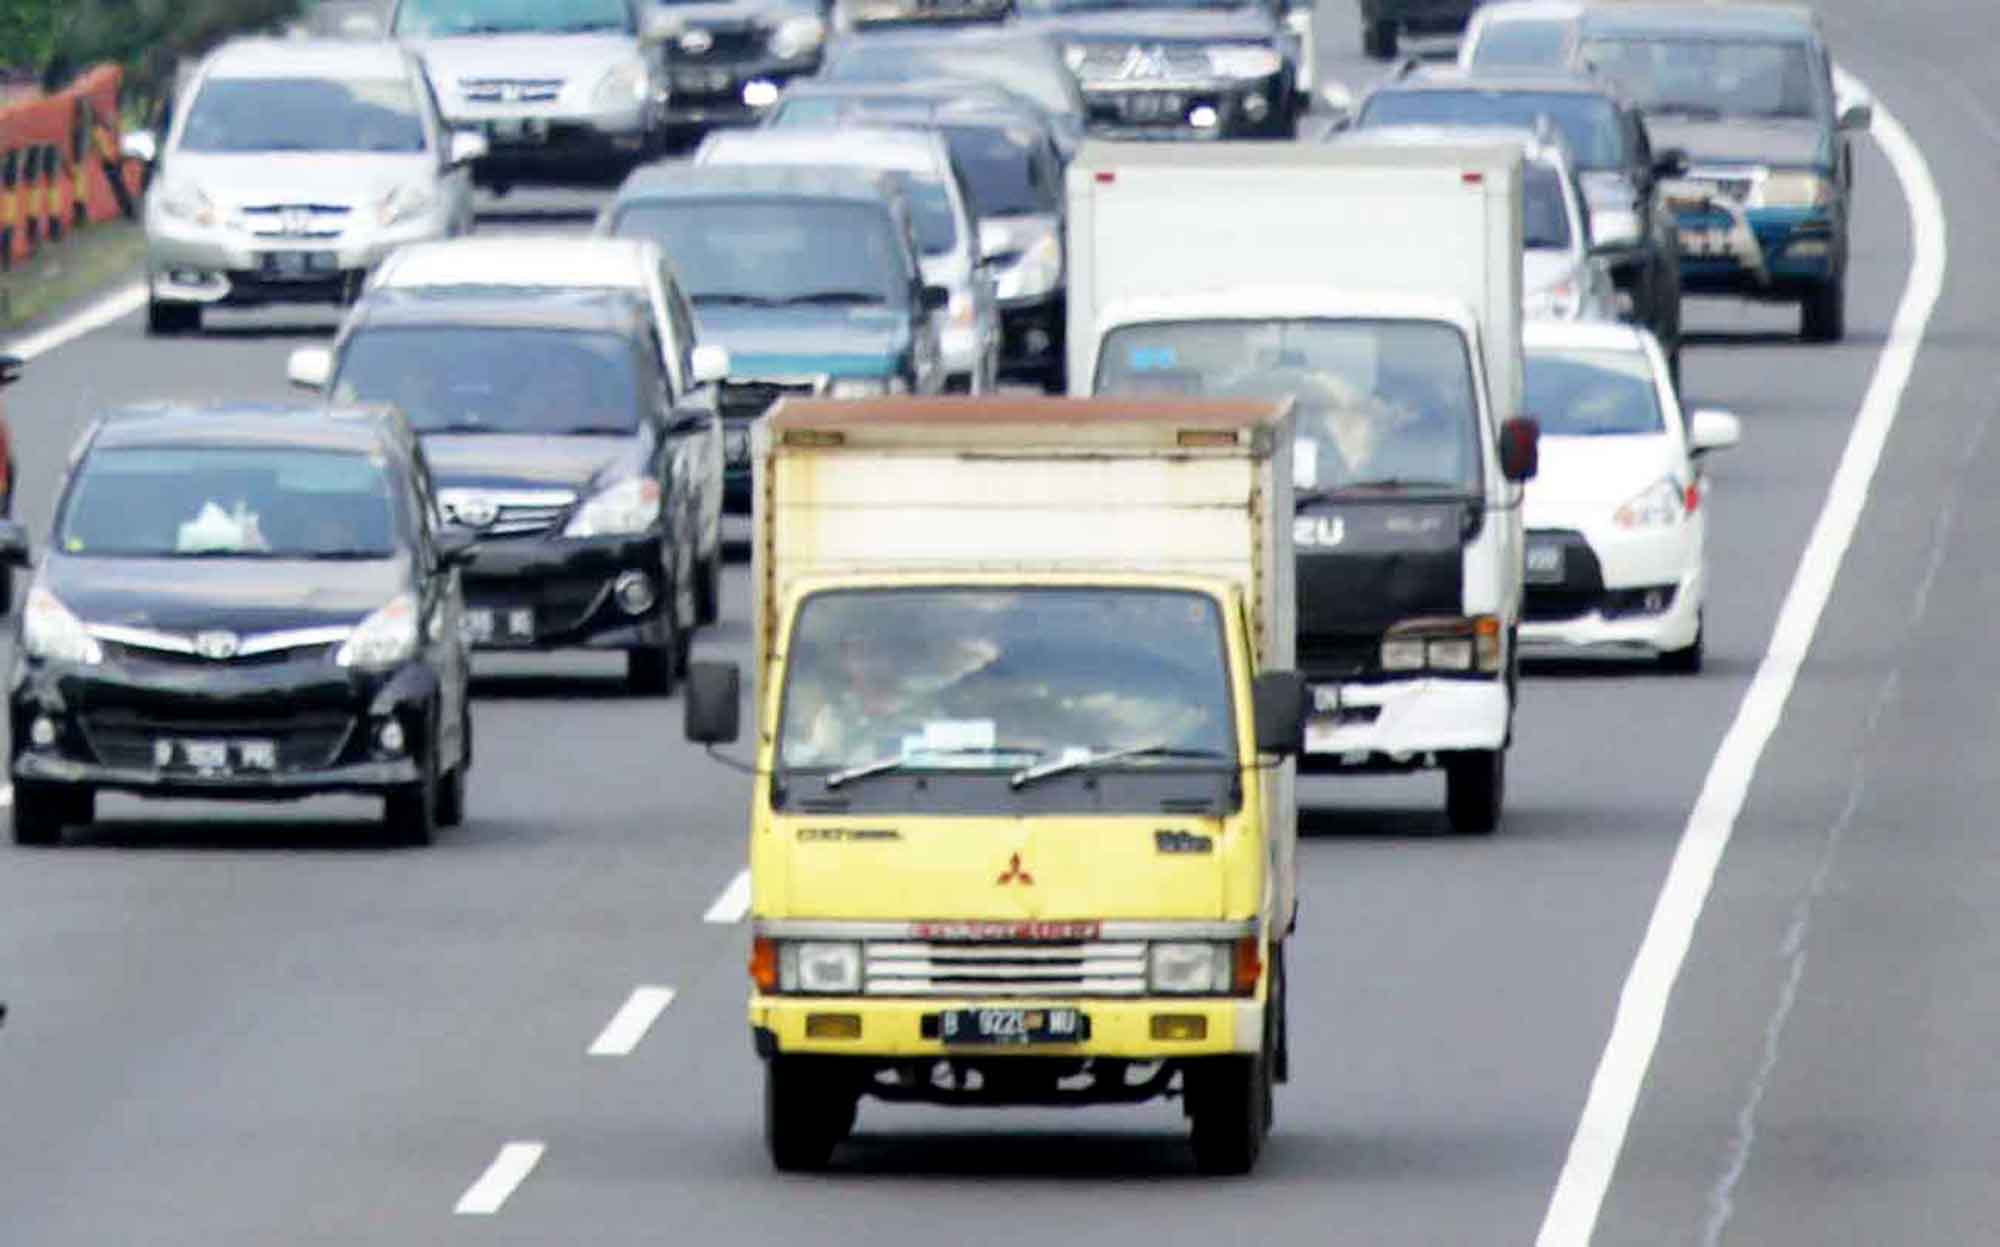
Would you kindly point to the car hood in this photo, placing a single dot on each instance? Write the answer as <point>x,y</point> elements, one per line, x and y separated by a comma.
<point>766,342</point>
<point>570,57</point>
<point>300,177</point>
<point>1150,26</point>
<point>245,596</point>
<point>518,461</point>
<point>1781,143</point>
<point>1602,473</point>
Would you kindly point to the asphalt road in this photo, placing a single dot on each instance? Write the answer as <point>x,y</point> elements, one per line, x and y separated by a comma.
<point>235,1027</point>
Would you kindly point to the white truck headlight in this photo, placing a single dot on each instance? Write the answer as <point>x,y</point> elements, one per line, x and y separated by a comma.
<point>1660,505</point>
<point>820,967</point>
<point>49,631</point>
<point>630,506</point>
<point>384,639</point>
<point>1195,969</point>
<point>1037,272</point>
<point>797,36</point>
<point>1243,61</point>
<point>626,83</point>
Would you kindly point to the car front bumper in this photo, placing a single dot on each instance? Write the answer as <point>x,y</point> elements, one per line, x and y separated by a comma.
<point>188,263</point>
<point>1634,592</point>
<point>1759,252</point>
<point>565,591</point>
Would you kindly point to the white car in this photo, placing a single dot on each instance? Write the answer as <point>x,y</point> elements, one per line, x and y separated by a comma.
<point>1618,515</point>
<point>1516,36</point>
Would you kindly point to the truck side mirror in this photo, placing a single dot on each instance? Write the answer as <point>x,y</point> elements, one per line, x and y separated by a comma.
<point>1520,448</point>
<point>13,544</point>
<point>1279,701</point>
<point>712,711</point>
<point>708,364</point>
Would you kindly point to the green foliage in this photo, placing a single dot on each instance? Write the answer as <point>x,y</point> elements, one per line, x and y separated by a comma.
<point>55,39</point>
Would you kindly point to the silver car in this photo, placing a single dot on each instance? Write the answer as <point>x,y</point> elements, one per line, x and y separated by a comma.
<point>294,168</point>
<point>558,87</point>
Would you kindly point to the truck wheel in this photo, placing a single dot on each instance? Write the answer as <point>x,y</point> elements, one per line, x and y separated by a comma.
<point>1378,39</point>
<point>808,1109</point>
<point>1229,1102</point>
<point>1823,314</point>
<point>1475,785</point>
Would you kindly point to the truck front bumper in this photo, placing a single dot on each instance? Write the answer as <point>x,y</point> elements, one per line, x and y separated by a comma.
<point>893,1030</point>
<point>1402,724</point>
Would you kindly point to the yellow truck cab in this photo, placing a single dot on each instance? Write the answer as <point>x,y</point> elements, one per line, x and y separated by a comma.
<point>1023,825</point>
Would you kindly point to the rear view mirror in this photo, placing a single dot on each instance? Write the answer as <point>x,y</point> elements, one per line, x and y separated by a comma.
<point>1279,701</point>
<point>467,146</point>
<point>1713,429</point>
<point>712,711</point>
<point>140,145</point>
<point>1855,110</point>
<point>708,364</point>
<point>936,298</point>
<point>13,546</point>
<point>10,368</point>
<point>310,367</point>
<point>1520,448</point>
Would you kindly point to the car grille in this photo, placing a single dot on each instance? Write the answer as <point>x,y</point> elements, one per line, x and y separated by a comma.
<point>746,400</point>
<point>1732,184</point>
<point>1146,108</point>
<point>501,514</point>
<point>296,220</point>
<point>1143,62</point>
<point>138,657</point>
<point>703,81</point>
<point>724,45</point>
<point>306,740</point>
<point>510,90</point>
<point>1093,968</point>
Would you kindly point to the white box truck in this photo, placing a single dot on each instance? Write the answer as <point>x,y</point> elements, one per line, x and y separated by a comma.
<point>1380,287</point>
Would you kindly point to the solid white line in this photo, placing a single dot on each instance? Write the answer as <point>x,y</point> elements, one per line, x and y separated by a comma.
<point>1635,1032</point>
<point>634,1018</point>
<point>734,902</point>
<point>113,307</point>
<point>508,1170</point>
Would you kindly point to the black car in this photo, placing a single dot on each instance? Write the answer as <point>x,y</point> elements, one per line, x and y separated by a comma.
<point>1617,169</point>
<point>555,436</point>
<point>729,59</point>
<point>242,602</point>
<point>1178,69</point>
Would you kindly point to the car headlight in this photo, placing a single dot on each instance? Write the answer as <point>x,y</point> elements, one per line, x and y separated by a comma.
<point>404,203</point>
<point>1074,55</point>
<point>384,639</point>
<point>820,967</point>
<point>630,506</point>
<point>1792,190</point>
<point>184,202</point>
<point>797,36</point>
<point>1243,61</point>
<point>1038,270</point>
<point>1661,505</point>
<point>1561,301</point>
<point>1196,969</point>
<point>49,631</point>
<point>866,387</point>
<point>626,83</point>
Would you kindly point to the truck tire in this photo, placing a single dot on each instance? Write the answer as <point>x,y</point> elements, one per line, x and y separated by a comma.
<point>1228,1103</point>
<point>1823,312</point>
<point>1379,38</point>
<point>1475,787</point>
<point>808,1109</point>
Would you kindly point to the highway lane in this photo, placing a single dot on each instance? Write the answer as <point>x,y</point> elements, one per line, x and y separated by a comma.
<point>262,1030</point>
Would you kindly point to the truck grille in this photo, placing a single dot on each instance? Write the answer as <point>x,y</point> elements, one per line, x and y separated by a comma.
<point>1093,968</point>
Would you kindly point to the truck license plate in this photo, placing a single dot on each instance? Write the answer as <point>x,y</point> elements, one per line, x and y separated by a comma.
<point>1012,1026</point>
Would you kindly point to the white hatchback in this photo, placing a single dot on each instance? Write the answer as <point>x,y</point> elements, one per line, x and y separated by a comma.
<point>1617,517</point>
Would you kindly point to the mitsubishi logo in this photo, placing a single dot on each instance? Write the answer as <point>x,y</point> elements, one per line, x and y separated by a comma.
<point>297,221</point>
<point>1014,874</point>
<point>217,646</point>
<point>1143,62</point>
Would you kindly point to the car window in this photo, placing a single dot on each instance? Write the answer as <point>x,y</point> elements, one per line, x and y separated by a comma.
<point>1522,44</point>
<point>1584,393</point>
<point>1026,69</point>
<point>486,379</point>
<point>1588,122</point>
<point>1719,78</point>
<point>502,17</point>
<point>304,115</point>
<point>1002,168</point>
<point>1544,210</point>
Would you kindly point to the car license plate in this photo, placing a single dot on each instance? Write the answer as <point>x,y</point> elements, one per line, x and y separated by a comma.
<point>298,265</point>
<point>486,627</point>
<point>1013,1026</point>
<point>216,757</point>
<point>1546,564</point>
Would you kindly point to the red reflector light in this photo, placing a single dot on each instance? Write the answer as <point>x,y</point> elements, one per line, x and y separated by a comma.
<point>1472,179</point>
<point>764,964</point>
<point>1107,177</point>
<point>1248,966</point>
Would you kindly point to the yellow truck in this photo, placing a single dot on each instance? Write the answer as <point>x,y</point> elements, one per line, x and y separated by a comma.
<point>1023,826</point>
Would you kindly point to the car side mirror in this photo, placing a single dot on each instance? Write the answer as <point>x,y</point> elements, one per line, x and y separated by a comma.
<point>140,145</point>
<point>1713,429</point>
<point>708,364</point>
<point>14,551</point>
<point>1520,448</point>
<point>310,367</point>
<point>1671,163</point>
<point>712,711</point>
<point>10,368</point>
<point>689,418</point>
<point>936,298</point>
<point>1857,113</point>
<point>1279,701</point>
<point>454,544</point>
<point>467,146</point>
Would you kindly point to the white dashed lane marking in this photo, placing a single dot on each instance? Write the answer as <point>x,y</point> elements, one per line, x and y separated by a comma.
<point>734,902</point>
<point>634,1018</point>
<point>508,1170</point>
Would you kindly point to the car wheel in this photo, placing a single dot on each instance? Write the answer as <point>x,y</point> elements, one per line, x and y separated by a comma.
<point>708,589</point>
<point>1823,314</point>
<point>808,1110</point>
<point>1378,39</point>
<point>165,319</point>
<point>41,811</point>
<point>1475,788</point>
<point>410,814</point>
<point>1686,661</point>
<point>655,670</point>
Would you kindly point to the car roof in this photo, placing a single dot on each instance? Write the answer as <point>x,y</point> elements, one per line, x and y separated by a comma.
<point>356,430</point>
<point>866,147</point>
<point>1692,20</point>
<point>1602,335</point>
<point>616,263</point>
<point>685,180</point>
<point>1451,78</point>
<point>1529,10</point>
<point>308,58</point>
<point>592,311</point>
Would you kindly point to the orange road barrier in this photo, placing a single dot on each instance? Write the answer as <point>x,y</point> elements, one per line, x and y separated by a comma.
<point>60,166</point>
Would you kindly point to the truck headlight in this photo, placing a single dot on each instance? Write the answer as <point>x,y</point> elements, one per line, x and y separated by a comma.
<point>1661,505</point>
<point>624,84</point>
<point>1036,272</point>
<point>1446,644</point>
<point>1194,969</point>
<point>820,967</point>
<point>630,506</point>
<point>866,387</point>
<point>49,631</point>
<point>1243,61</point>
<point>384,639</point>
<point>797,36</point>
<point>1791,190</point>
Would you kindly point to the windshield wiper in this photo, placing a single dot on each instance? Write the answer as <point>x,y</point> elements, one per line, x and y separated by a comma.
<point>732,297</point>
<point>1104,757</point>
<point>897,762</point>
<point>595,430</point>
<point>1693,112</point>
<point>836,297</point>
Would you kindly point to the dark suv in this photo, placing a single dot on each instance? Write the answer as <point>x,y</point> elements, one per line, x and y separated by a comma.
<point>555,436</point>
<point>242,603</point>
<point>1617,169</point>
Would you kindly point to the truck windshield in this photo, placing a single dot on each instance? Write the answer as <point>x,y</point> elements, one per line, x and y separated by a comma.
<point>1380,403</point>
<point>997,679</point>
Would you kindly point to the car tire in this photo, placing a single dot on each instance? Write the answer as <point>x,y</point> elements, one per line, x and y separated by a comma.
<point>165,319</point>
<point>1686,661</point>
<point>1475,788</point>
<point>808,1110</point>
<point>41,811</point>
<point>410,813</point>
<point>1379,39</point>
<point>1823,312</point>
<point>708,589</point>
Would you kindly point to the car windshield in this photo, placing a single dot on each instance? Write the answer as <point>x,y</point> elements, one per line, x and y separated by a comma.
<point>1583,393</point>
<point>432,18</point>
<point>1001,170</point>
<point>986,678</point>
<point>1588,123</point>
<point>491,379</point>
<point>304,115</point>
<point>1522,44</point>
<point>1094,6</point>
<point>1711,78</point>
<point>776,251</point>
<point>1028,70</point>
<point>1380,403</point>
<point>1544,211</point>
<point>221,502</point>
